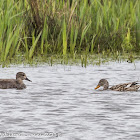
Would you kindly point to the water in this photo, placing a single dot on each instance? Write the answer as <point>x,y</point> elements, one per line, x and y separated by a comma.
<point>61,102</point>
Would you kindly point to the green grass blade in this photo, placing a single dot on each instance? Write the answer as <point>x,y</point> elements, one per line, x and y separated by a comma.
<point>64,38</point>
<point>32,49</point>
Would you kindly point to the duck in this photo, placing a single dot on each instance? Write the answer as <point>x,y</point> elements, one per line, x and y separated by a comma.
<point>131,86</point>
<point>14,83</point>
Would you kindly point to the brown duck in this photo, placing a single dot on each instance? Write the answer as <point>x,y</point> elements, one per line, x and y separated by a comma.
<point>14,83</point>
<point>132,86</point>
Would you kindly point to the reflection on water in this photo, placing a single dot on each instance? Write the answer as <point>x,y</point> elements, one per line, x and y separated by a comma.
<point>62,100</point>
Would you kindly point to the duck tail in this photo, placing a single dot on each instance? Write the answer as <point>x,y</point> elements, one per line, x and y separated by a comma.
<point>134,83</point>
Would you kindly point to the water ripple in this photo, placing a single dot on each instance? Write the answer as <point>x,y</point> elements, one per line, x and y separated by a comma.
<point>62,100</point>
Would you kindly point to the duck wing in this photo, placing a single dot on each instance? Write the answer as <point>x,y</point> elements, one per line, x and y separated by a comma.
<point>7,83</point>
<point>120,87</point>
<point>133,87</point>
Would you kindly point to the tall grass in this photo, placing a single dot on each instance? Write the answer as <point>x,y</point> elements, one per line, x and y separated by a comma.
<point>138,27</point>
<point>33,27</point>
<point>11,24</point>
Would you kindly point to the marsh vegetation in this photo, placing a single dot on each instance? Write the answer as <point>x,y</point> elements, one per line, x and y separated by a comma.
<point>33,30</point>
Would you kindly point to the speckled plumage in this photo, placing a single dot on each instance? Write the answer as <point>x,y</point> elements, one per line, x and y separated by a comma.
<point>131,86</point>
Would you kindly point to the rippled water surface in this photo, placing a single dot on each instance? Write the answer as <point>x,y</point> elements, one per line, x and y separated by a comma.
<point>62,100</point>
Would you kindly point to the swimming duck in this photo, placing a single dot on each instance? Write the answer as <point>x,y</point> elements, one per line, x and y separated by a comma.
<point>14,83</point>
<point>132,86</point>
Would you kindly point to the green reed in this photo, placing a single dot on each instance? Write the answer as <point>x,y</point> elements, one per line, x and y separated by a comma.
<point>41,28</point>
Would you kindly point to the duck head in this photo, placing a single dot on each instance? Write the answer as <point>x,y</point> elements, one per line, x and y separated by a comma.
<point>22,76</point>
<point>104,83</point>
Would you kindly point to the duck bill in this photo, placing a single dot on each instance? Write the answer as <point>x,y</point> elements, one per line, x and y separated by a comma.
<point>97,87</point>
<point>28,79</point>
